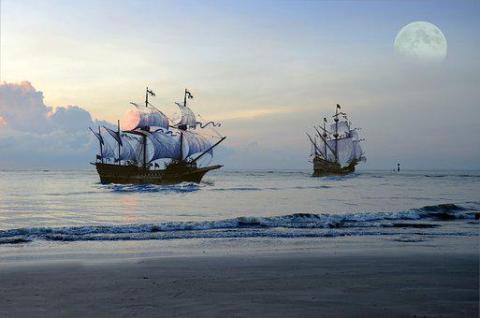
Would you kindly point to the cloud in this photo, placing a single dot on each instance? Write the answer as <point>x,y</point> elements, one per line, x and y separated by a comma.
<point>33,134</point>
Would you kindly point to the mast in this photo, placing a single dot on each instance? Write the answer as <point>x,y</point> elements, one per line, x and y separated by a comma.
<point>336,133</point>
<point>118,123</point>
<point>185,98</point>
<point>144,152</point>
<point>146,97</point>
<point>325,137</point>
<point>181,145</point>
<point>183,127</point>
<point>313,143</point>
<point>101,147</point>
<point>324,140</point>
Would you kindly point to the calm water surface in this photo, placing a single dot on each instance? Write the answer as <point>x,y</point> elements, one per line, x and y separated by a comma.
<point>71,205</point>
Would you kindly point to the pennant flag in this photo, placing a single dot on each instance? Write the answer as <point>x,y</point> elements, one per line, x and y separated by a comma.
<point>338,106</point>
<point>189,95</point>
<point>150,92</point>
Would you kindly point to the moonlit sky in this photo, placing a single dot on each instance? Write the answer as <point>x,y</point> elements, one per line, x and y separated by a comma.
<point>268,70</point>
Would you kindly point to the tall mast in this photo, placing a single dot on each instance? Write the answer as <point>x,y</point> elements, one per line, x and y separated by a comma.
<point>101,148</point>
<point>314,143</point>
<point>119,137</point>
<point>144,137</point>
<point>181,145</point>
<point>336,133</point>
<point>144,152</point>
<point>324,140</point>
<point>325,137</point>
<point>185,98</point>
<point>146,97</point>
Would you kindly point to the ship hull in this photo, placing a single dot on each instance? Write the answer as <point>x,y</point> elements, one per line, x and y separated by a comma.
<point>111,173</point>
<point>323,168</point>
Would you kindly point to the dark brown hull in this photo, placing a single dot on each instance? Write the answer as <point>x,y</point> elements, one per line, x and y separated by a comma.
<point>323,168</point>
<point>111,173</point>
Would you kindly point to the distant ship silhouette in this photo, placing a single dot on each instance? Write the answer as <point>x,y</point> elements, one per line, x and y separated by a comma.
<point>339,149</point>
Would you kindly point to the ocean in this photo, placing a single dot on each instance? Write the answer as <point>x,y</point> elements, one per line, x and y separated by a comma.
<point>65,206</point>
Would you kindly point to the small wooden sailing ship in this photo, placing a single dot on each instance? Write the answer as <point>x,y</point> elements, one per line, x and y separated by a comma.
<point>135,155</point>
<point>337,150</point>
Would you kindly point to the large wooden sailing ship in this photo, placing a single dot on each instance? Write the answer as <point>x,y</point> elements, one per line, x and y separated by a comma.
<point>153,150</point>
<point>336,150</point>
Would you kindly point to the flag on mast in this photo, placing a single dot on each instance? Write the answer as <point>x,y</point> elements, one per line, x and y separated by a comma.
<point>149,91</point>
<point>189,95</point>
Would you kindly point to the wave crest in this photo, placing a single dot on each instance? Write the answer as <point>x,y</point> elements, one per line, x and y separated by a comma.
<point>251,226</point>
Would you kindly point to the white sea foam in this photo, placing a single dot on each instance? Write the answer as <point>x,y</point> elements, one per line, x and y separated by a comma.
<point>417,221</point>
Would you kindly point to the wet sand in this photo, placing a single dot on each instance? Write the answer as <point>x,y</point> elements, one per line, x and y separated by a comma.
<point>404,281</point>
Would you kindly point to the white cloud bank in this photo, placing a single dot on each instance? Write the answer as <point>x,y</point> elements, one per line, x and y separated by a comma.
<point>33,134</point>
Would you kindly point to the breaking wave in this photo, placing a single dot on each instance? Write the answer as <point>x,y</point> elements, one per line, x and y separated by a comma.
<point>293,225</point>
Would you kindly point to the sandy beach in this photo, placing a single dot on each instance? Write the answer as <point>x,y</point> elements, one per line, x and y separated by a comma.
<point>307,278</point>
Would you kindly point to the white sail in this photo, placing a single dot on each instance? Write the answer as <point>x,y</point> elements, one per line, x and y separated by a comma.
<point>107,151</point>
<point>330,154</point>
<point>187,116</point>
<point>137,144</point>
<point>345,150</point>
<point>354,134</point>
<point>176,146</point>
<point>196,143</point>
<point>106,148</point>
<point>343,127</point>
<point>136,119</point>
<point>358,151</point>
<point>128,148</point>
<point>165,145</point>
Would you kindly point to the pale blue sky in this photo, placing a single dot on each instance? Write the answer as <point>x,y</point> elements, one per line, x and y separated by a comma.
<point>268,69</point>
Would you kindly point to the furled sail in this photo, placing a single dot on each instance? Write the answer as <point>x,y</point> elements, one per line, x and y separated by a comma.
<point>137,119</point>
<point>187,117</point>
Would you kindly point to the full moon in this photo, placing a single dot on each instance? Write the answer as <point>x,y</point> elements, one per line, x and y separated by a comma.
<point>421,41</point>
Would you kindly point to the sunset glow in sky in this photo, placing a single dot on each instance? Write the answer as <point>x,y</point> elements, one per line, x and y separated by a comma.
<point>268,70</point>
